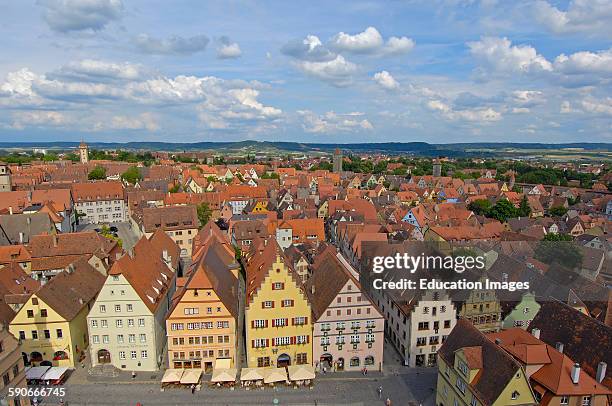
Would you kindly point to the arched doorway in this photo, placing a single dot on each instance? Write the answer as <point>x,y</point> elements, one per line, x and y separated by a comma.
<point>104,357</point>
<point>283,360</point>
<point>36,356</point>
<point>327,360</point>
<point>369,360</point>
<point>355,362</point>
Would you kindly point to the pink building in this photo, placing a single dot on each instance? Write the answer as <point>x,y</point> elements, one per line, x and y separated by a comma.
<point>348,328</point>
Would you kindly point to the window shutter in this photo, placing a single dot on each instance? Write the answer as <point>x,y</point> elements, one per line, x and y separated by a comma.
<point>286,322</point>
<point>252,323</point>
<point>282,303</point>
<point>253,343</point>
<point>308,339</point>
<point>293,321</point>
<point>267,342</point>
<point>305,320</point>
<point>273,322</point>
<point>292,302</point>
<point>266,323</point>
<point>282,285</point>
<point>293,340</point>
<point>273,304</point>
<point>263,305</point>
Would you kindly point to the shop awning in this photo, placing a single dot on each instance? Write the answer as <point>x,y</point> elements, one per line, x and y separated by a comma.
<point>172,375</point>
<point>55,373</point>
<point>36,372</point>
<point>223,363</point>
<point>251,374</point>
<point>273,374</point>
<point>191,376</point>
<point>301,372</point>
<point>224,375</point>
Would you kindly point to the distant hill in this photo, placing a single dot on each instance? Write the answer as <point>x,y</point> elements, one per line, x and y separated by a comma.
<point>414,148</point>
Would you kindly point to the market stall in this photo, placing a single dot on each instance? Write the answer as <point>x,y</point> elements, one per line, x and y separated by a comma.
<point>224,377</point>
<point>34,375</point>
<point>191,377</point>
<point>56,375</point>
<point>301,374</point>
<point>273,375</point>
<point>172,377</point>
<point>251,377</point>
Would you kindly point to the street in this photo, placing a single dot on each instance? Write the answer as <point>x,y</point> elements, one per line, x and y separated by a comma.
<point>124,231</point>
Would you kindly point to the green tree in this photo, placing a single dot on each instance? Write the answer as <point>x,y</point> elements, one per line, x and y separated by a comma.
<point>72,157</point>
<point>204,213</point>
<point>502,211</point>
<point>175,189</point>
<point>97,173</point>
<point>557,211</point>
<point>480,206</point>
<point>557,237</point>
<point>566,254</point>
<point>132,175</point>
<point>524,209</point>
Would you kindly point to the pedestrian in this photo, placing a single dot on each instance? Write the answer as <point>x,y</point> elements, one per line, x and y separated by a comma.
<point>388,402</point>
<point>192,389</point>
<point>324,370</point>
<point>379,392</point>
<point>133,374</point>
<point>365,370</point>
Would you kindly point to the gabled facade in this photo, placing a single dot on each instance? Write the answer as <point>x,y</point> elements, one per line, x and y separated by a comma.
<point>278,320</point>
<point>127,322</point>
<point>12,369</point>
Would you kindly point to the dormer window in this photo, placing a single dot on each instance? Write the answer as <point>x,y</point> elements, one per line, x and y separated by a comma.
<point>515,395</point>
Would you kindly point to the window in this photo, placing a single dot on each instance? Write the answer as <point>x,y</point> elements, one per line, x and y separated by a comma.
<point>30,314</point>
<point>143,354</point>
<point>586,401</point>
<point>133,354</point>
<point>300,321</point>
<point>141,322</point>
<point>268,304</point>
<point>463,368</point>
<point>223,324</point>
<point>130,322</point>
<point>34,335</point>
<point>287,303</point>
<point>447,323</point>
<point>129,307</point>
<point>421,341</point>
<point>324,340</point>
<point>259,323</point>
<point>121,354</point>
<point>35,301</point>
<point>143,339</point>
<point>263,362</point>
<point>281,340</point>
<point>278,286</point>
<point>131,338</point>
<point>102,308</point>
<point>369,338</point>
<point>191,311</point>
<point>119,323</point>
<point>120,339</point>
<point>104,323</point>
<point>301,358</point>
<point>95,339</point>
<point>355,324</point>
<point>105,339</point>
<point>564,400</point>
<point>47,333</point>
<point>301,339</point>
<point>22,335</point>
<point>425,310</point>
<point>462,386</point>
<point>43,312</point>
<point>117,308</point>
<point>355,339</point>
<point>515,395</point>
<point>424,325</point>
<point>259,343</point>
<point>6,378</point>
<point>59,333</point>
<point>94,323</point>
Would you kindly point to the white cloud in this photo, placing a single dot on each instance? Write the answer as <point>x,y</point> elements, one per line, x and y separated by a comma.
<point>309,49</point>
<point>228,49</point>
<point>331,122</point>
<point>585,62</point>
<point>520,110</point>
<point>370,41</point>
<point>500,55</point>
<point>97,70</point>
<point>566,107</point>
<point>595,106</point>
<point>337,72</point>
<point>586,16</point>
<point>144,121</point>
<point>40,118</point>
<point>478,114</point>
<point>385,80</point>
<point>79,15</point>
<point>171,46</point>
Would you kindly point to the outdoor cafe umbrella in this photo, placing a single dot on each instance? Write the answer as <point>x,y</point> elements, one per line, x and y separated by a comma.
<point>251,374</point>
<point>273,374</point>
<point>224,375</point>
<point>301,372</point>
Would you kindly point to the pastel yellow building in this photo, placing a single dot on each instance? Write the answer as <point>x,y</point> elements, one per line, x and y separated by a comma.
<point>52,324</point>
<point>474,371</point>
<point>201,325</point>
<point>11,365</point>
<point>278,319</point>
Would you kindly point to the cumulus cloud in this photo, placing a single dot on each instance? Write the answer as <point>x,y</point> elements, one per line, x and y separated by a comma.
<point>566,107</point>
<point>370,41</point>
<point>486,114</point>
<point>308,49</point>
<point>385,80</point>
<point>332,122</point>
<point>337,72</point>
<point>597,106</point>
<point>585,62</point>
<point>585,16</point>
<point>228,49</point>
<point>500,55</point>
<point>80,15</point>
<point>173,45</point>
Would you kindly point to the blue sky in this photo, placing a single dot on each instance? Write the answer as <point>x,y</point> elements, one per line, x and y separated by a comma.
<point>317,71</point>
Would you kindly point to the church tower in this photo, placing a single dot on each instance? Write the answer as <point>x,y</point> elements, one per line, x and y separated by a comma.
<point>84,152</point>
<point>5,178</point>
<point>337,161</point>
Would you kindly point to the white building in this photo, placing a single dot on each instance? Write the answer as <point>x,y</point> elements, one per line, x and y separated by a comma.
<point>99,202</point>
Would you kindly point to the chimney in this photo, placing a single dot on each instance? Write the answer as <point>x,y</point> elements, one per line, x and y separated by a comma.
<point>165,255</point>
<point>20,237</point>
<point>55,240</point>
<point>498,341</point>
<point>559,346</point>
<point>576,373</point>
<point>601,371</point>
<point>536,333</point>
<point>11,210</point>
